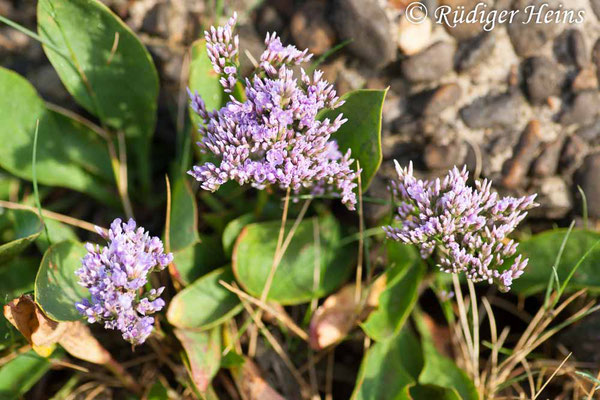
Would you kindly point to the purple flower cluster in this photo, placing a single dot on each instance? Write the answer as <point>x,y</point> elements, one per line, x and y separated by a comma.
<point>469,226</point>
<point>273,137</point>
<point>115,276</point>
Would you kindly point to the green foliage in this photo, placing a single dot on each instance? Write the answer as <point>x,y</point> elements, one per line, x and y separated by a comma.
<point>20,374</point>
<point>108,71</point>
<point>294,281</point>
<point>68,155</point>
<point>21,228</point>
<point>542,250</point>
<point>17,276</point>
<point>203,350</point>
<point>56,287</point>
<point>198,259</point>
<point>204,80</point>
<point>184,216</point>
<point>58,232</point>
<point>233,230</point>
<point>362,132</point>
<point>205,303</point>
<point>400,295</point>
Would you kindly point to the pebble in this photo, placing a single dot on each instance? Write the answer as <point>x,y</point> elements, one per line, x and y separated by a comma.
<point>529,38</point>
<point>366,23</point>
<point>572,153</point>
<point>586,79</point>
<point>596,56</point>
<point>310,29</point>
<point>433,102</point>
<point>443,156</point>
<point>590,133</point>
<point>473,51</point>
<point>554,197</point>
<point>596,7</point>
<point>493,111</point>
<point>463,30</point>
<point>547,163</point>
<point>517,167</point>
<point>412,38</point>
<point>583,109</point>
<point>587,178</point>
<point>430,64</point>
<point>570,48</point>
<point>543,78</point>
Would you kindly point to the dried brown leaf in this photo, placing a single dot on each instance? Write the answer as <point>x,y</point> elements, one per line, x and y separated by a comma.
<point>332,321</point>
<point>251,384</point>
<point>79,342</point>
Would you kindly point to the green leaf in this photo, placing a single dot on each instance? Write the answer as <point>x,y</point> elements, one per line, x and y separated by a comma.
<point>203,351</point>
<point>420,392</point>
<point>362,132</point>
<point>56,287</point>
<point>23,228</point>
<point>233,230</point>
<point>20,374</point>
<point>17,276</point>
<point>389,368</point>
<point>293,282</point>
<point>58,232</point>
<point>158,392</point>
<point>204,80</point>
<point>396,301</point>
<point>198,259</point>
<point>542,249</point>
<point>184,216</point>
<point>205,303</point>
<point>68,154</point>
<point>109,72</point>
<point>440,370</point>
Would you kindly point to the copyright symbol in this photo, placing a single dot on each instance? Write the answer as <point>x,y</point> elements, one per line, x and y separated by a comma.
<point>416,12</point>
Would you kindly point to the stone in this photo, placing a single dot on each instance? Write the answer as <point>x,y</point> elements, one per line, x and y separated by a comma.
<point>572,153</point>
<point>596,7</point>
<point>529,38</point>
<point>463,29</point>
<point>443,156</point>
<point>430,64</point>
<point>590,133</point>
<point>515,169</point>
<point>412,38</point>
<point>596,57</point>
<point>471,52</point>
<point>586,79</point>
<point>570,48</point>
<point>587,179</point>
<point>584,108</point>
<point>269,20</point>
<point>366,23</point>
<point>543,78</point>
<point>433,102</point>
<point>547,163</point>
<point>310,29</point>
<point>554,197</point>
<point>493,111</point>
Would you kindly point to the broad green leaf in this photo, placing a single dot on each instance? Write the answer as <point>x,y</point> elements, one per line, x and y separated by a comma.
<point>293,282</point>
<point>56,287</point>
<point>362,132</point>
<point>23,228</point>
<point>17,276</point>
<point>184,216</point>
<point>389,368</point>
<point>58,232</point>
<point>542,250</point>
<point>198,259</point>
<point>68,154</point>
<point>158,392</point>
<point>422,392</point>
<point>204,80</point>
<point>205,303</point>
<point>441,371</point>
<point>203,350</point>
<point>20,374</point>
<point>396,301</point>
<point>233,230</point>
<point>108,70</point>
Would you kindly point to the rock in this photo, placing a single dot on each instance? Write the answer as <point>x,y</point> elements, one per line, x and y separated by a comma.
<point>596,7</point>
<point>572,153</point>
<point>554,197</point>
<point>412,38</point>
<point>269,20</point>
<point>430,64</point>
<point>547,163</point>
<point>543,78</point>
<point>517,167</point>
<point>310,28</point>
<point>570,48</point>
<point>596,56</point>
<point>366,23</point>
<point>493,111</point>
<point>586,79</point>
<point>529,38</point>
<point>587,179</point>
<point>440,156</point>
<point>583,109</point>
<point>463,29</point>
<point>590,133</point>
<point>432,102</point>
<point>471,52</point>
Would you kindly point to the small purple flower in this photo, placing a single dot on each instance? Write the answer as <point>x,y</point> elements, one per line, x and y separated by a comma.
<point>468,226</point>
<point>115,276</point>
<point>274,137</point>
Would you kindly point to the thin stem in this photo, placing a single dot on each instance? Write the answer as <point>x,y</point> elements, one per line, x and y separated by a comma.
<point>34,176</point>
<point>373,200</point>
<point>53,215</point>
<point>122,184</point>
<point>475,314</point>
<point>361,229</point>
<point>464,322</point>
<point>32,35</point>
